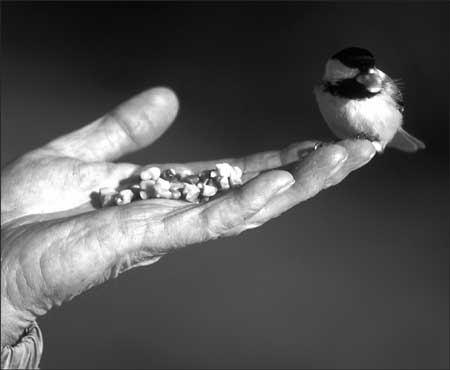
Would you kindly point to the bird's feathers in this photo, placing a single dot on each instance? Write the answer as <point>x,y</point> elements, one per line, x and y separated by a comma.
<point>377,116</point>
<point>392,87</point>
<point>352,107</point>
<point>406,142</point>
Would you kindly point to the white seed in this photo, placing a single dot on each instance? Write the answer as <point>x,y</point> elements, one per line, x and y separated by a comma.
<point>224,169</point>
<point>106,196</point>
<point>213,174</point>
<point>121,200</point>
<point>143,194</point>
<point>176,194</point>
<point>162,184</point>
<point>191,192</point>
<point>235,181</point>
<point>161,189</point>
<point>224,184</point>
<point>192,197</point>
<point>176,185</point>
<point>190,188</point>
<point>236,176</point>
<point>209,191</point>
<point>164,193</point>
<point>237,170</point>
<point>127,195</point>
<point>151,173</point>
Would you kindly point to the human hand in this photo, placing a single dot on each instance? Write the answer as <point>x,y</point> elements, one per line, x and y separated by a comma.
<point>56,244</point>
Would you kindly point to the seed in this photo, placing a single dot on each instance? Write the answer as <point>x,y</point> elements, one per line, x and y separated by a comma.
<point>235,181</point>
<point>236,176</point>
<point>147,184</point>
<point>168,174</point>
<point>169,184</point>
<point>106,196</point>
<point>224,169</point>
<point>206,175</point>
<point>176,185</point>
<point>152,173</point>
<point>162,184</point>
<point>192,197</point>
<point>237,170</point>
<point>192,179</point>
<point>163,193</point>
<point>126,193</point>
<point>191,192</point>
<point>223,182</point>
<point>135,189</point>
<point>209,191</point>
<point>122,199</point>
<point>176,194</point>
<point>189,188</point>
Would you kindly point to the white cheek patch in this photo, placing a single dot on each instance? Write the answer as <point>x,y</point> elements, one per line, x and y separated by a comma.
<point>335,70</point>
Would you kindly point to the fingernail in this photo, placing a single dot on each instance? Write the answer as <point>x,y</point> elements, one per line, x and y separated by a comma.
<point>285,187</point>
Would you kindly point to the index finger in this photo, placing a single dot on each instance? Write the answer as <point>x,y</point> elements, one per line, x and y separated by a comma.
<point>256,162</point>
<point>326,167</point>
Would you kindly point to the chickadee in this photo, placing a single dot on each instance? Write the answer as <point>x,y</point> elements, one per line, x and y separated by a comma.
<point>358,100</point>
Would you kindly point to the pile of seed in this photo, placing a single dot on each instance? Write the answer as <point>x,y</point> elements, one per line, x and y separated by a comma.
<point>169,184</point>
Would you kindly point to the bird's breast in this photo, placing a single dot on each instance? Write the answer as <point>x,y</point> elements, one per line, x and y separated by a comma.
<point>376,116</point>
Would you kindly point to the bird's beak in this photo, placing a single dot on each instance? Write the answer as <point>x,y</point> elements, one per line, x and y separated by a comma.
<point>371,80</point>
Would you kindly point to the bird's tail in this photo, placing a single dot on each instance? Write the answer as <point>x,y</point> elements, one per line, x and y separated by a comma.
<point>406,142</point>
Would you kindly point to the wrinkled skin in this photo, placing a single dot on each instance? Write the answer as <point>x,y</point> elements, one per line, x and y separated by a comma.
<point>56,244</point>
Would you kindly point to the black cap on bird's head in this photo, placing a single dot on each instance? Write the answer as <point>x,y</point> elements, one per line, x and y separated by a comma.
<point>355,57</point>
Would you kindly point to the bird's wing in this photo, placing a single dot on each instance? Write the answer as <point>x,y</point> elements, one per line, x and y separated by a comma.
<point>406,142</point>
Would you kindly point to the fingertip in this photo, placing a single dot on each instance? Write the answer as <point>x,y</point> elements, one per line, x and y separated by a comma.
<point>332,155</point>
<point>144,118</point>
<point>362,150</point>
<point>366,150</point>
<point>164,97</point>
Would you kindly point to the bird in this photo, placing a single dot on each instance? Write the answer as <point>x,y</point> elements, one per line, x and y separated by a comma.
<point>357,100</point>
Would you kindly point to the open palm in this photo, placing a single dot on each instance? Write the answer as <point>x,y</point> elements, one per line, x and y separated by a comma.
<point>57,244</point>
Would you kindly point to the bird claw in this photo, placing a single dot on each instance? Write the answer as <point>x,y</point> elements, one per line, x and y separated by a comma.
<point>377,145</point>
<point>373,139</point>
<point>363,136</point>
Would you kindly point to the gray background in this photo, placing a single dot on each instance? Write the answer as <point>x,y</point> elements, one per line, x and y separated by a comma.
<point>354,278</point>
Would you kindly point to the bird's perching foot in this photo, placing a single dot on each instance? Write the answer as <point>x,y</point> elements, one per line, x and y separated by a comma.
<point>373,139</point>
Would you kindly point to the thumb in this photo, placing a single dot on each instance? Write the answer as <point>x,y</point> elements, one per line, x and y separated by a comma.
<point>129,127</point>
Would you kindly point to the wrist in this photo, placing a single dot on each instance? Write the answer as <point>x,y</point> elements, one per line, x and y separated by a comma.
<point>26,353</point>
<point>13,323</point>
